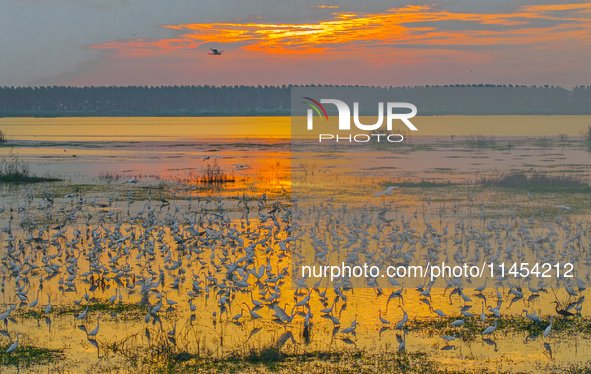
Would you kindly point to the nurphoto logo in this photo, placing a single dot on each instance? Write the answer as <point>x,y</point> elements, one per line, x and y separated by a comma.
<point>345,120</point>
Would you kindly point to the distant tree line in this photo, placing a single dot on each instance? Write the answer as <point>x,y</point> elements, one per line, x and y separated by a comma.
<point>275,100</point>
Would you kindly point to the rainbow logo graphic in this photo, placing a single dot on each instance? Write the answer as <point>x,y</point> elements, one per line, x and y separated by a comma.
<point>317,108</point>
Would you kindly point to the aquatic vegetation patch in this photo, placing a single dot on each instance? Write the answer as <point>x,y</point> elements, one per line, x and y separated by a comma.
<point>165,355</point>
<point>26,356</point>
<point>535,180</point>
<point>420,184</point>
<point>211,174</point>
<point>13,170</point>
<point>510,324</point>
<point>479,141</point>
<point>122,310</point>
<point>337,361</point>
<point>110,176</point>
<point>571,368</point>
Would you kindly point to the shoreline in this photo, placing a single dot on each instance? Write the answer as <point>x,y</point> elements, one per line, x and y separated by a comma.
<point>269,113</point>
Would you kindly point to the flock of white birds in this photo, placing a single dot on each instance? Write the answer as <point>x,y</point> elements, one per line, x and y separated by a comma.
<point>244,252</point>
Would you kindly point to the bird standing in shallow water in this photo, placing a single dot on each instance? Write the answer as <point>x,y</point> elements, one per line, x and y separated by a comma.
<point>95,331</point>
<point>402,345</point>
<point>400,325</point>
<point>457,323</point>
<point>14,345</point>
<point>83,314</point>
<point>252,313</point>
<point>384,322</point>
<point>170,302</point>
<point>34,302</point>
<point>490,329</point>
<point>482,315</point>
<point>549,328</point>
<point>48,307</point>
<point>439,312</point>
<point>562,312</point>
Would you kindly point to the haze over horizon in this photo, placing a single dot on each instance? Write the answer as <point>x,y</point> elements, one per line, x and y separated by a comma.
<point>384,43</point>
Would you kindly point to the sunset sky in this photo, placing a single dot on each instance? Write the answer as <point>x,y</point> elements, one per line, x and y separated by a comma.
<point>154,42</point>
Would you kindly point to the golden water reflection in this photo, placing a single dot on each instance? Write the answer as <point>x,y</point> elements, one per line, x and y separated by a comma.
<point>211,331</point>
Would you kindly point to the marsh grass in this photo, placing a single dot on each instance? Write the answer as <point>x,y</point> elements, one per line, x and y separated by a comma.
<point>161,356</point>
<point>13,170</point>
<point>210,175</point>
<point>510,324</point>
<point>571,368</point>
<point>534,179</point>
<point>543,142</point>
<point>27,356</point>
<point>337,361</point>
<point>214,174</point>
<point>421,184</point>
<point>112,177</point>
<point>109,176</point>
<point>122,310</point>
<point>159,352</point>
<point>479,141</point>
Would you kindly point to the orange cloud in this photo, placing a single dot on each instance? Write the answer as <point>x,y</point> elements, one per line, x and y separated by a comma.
<point>324,6</point>
<point>411,26</point>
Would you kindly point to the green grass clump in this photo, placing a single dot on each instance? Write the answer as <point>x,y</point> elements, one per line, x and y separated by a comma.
<point>337,361</point>
<point>534,180</point>
<point>509,324</point>
<point>122,310</point>
<point>214,174</point>
<point>421,184</point>
<point>26,356</point>
<point>480,141</point>
<point>12,170</point>
<point>571,368</point>
<point>161,356</point>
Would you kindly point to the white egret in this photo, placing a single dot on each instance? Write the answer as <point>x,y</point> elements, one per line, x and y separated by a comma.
<point>14,345</point>
<point>402,345</point>
<point>490,329</point>
<point>35,302</point>
<point>82,315</point>
<point>95,331</point>
<point>387,191</point>
<point>384,322</point>
<point>253,314</point>
<point>48,306</point>
<point>457,323</point>
<point>549,328</point>
<point>439,312</point>
<point>400,325</point>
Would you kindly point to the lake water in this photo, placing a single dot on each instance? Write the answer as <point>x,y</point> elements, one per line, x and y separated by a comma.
<point>273,128</point>
<point>164,146</point>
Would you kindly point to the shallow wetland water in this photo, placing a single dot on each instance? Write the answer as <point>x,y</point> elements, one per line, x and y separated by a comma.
<point>184,275</point>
